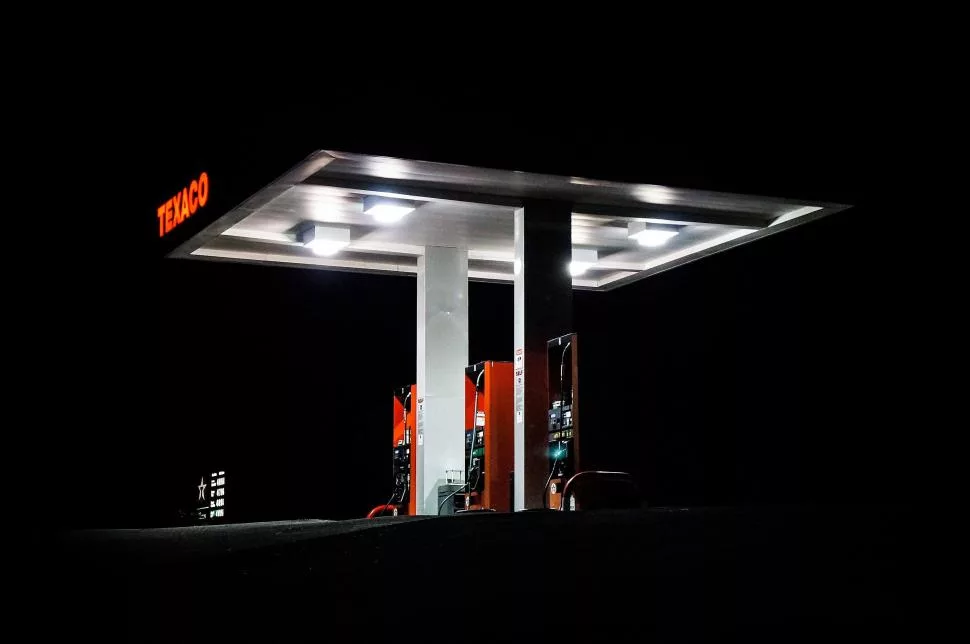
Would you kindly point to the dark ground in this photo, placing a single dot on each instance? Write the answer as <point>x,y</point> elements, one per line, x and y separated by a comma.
<point>775,573</point>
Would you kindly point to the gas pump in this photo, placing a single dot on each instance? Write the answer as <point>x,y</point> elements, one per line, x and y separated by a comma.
<point>403,456</point>
<point>563,416</point>
<point>489,435</point>
<point>404,462</point>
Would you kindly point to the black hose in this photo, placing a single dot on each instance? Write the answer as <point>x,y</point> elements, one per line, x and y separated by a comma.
<point>407,434</point>
<point>471,490</point>
<point>471,448</point>
<point>546,486</point>
<point>384,509</point>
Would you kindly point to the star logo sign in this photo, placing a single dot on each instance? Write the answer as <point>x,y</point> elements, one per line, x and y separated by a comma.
<point>202,487</point>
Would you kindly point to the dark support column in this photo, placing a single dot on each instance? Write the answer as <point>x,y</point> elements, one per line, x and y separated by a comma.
<point>543,310</point>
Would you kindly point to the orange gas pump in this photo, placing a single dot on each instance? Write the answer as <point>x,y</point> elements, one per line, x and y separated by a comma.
<point>404,463</point>
<point>489,436</point>
<point>404,457</point>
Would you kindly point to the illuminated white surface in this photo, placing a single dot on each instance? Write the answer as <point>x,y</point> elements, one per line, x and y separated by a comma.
<point>384,210</point>
<point>325,241</point>
<point>326,248</point>
<point>686,252</point>
<point>795,214</point>
<point>442,355</point>
<point>651,235</point>
<point>387,214</point>
<point>472,208</point>
<point>654,194</point>
<point>582,260</point>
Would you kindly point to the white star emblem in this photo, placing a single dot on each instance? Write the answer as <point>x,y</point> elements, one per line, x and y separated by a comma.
<point>202,487</point>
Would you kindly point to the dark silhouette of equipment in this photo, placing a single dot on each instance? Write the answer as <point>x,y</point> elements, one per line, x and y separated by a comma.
<point>563,430</point>
<point>597,490</point>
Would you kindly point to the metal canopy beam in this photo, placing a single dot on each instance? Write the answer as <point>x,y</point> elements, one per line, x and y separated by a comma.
<point>407,189</point>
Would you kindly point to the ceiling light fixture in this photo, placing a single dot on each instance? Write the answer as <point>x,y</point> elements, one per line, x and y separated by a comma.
<point>583,259</point>
<point>386,210</point>
<point>325,240</point>
<point>651,234</point>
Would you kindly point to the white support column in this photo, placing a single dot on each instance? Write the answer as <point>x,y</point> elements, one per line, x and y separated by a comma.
<point>518,362</point>
<point>442,357</point>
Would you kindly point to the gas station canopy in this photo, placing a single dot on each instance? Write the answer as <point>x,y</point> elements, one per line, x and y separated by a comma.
<point>325,197</point>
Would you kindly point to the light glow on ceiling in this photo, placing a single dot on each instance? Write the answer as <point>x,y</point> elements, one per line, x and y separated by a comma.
<point>583,260</point>
<point>696,248</point>
<point>326,248</point>
<point>385,210</point>
<point>651,235</point>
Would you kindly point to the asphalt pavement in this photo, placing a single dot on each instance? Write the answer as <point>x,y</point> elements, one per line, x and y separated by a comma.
<point>668,573</point>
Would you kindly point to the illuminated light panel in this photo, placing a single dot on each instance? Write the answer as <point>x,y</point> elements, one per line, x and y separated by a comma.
<point>325,240</point>
<point>387,214</point>
<point>583,259</point>
<point>651,235</point>
<point>386,210</point>
<point>326,249</point>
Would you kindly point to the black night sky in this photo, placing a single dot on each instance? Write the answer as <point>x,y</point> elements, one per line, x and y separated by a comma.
<point>761,375</point>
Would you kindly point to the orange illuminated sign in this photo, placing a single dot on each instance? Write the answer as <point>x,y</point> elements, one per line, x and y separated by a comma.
<point>183,205</point>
